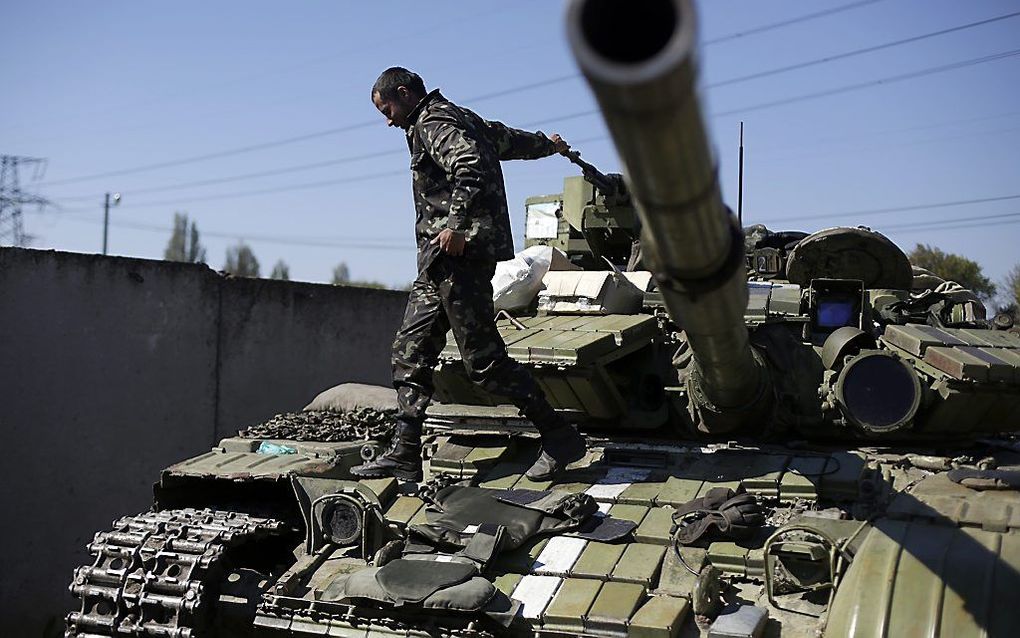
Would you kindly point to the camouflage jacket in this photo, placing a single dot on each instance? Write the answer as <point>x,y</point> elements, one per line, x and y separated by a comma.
<point>457,179</point>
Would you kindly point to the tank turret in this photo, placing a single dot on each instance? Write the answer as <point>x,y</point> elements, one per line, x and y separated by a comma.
<point>640,62</point>
<point>592,221</point>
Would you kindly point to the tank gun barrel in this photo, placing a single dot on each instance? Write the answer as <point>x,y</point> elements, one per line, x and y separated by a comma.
<point>639,59</point>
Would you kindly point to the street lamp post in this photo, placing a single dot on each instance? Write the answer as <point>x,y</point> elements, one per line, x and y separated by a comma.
<point>106,216</point>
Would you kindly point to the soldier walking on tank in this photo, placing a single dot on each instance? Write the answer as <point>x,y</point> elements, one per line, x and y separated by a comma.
<point>462,229</point>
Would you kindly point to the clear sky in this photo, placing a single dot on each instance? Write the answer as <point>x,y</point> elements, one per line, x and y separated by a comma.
<point>254,118</point>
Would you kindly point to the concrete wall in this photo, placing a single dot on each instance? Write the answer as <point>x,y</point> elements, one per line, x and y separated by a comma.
<point>113,368</point>
<point>300,338</point>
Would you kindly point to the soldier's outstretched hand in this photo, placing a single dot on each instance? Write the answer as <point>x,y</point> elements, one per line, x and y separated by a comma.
<point>559,143</point>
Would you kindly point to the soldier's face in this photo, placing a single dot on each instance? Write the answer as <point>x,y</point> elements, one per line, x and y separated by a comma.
<point>397,109</point>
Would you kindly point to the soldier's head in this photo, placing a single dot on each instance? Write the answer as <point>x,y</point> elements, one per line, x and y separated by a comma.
<point>396,93</point>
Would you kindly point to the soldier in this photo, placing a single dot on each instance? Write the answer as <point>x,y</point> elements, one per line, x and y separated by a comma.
<point>462,229</point>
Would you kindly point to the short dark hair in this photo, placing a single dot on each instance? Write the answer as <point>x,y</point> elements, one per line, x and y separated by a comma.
<point>396,76</point>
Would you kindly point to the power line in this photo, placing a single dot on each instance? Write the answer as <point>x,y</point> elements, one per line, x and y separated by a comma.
<point>856,52</point>
<point>209,156</point>
<point>1009,222</point>
<point>777,153</point>
<point>268,173</point>
<point>896,209</point>
<point>359,125</point>
<point>443,23</point>
<point>852,87</point>
<point>526,87</point>
<point>575,142</point>
<point>920,225</point>
<point>790,22</point>
<point>291,140</point>
<point>862,85</point>
<point>264,191</point>
<point>310,166</point>
<point>953,223</point>
<point>858,86</point>
<point>373,176</point>
<point>575,115</point>
<point>282,189</point>
<point>270,239</point>
<point>945,224</point>
<point>561,78</point>
<point>291,187</point>
<point>569,116</point>
<point>864,147</point>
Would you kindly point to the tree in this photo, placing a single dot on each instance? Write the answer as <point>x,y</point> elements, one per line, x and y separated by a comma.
<point>184,245</point>
<point>1011,294</point>
<point>364,283</point>
<point>241,261</point>
<point>341,274</point>
<point>952,267</point>
<point>280,271</point>
<point>1012,286</point>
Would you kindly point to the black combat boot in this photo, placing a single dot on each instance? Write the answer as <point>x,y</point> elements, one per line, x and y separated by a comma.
<point>561,443</point>
<point>401,460</point>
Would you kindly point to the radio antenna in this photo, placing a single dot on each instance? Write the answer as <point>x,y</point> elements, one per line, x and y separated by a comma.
<point>740,179</point>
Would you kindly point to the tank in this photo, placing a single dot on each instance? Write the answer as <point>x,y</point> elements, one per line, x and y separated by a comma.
<point>791,434</point>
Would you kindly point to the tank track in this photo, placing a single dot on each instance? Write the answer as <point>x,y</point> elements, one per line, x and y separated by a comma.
<point>326,426</point>
<point>151,572</point>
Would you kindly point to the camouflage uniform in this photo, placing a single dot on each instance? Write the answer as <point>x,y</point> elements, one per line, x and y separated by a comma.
<point>458,184</point>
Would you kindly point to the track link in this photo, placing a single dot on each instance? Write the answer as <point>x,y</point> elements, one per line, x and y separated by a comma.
<point>152,572</point>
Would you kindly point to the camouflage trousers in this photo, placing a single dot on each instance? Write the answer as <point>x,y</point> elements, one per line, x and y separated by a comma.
<point>456,293</point>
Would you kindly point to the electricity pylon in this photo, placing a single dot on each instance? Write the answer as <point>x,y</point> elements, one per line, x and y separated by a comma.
<point>12,198</point>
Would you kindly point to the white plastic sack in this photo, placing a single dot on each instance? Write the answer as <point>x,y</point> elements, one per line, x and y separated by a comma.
<point>517,281</point>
